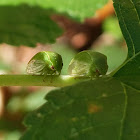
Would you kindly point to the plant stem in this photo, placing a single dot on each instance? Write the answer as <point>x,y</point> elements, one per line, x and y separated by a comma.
<point>40,80</point>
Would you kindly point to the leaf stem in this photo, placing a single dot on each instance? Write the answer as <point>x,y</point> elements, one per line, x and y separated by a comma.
<point>40,80</point>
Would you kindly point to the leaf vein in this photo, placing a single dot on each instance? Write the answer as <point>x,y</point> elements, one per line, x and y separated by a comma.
<point>124,113</point>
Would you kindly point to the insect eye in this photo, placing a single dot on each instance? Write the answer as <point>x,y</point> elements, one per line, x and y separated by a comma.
<point>52,67</point>
<point>97,72</point>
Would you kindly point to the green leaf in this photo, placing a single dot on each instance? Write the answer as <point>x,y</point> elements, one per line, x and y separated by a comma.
<point>88,110</point>
<point>26,25</point>
<point>130,72</point>
<point>131,121</point>
<point>128,13</point>
<point>76,9</point>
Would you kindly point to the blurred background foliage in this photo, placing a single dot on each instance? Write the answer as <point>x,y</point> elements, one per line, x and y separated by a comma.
<point>15,102</point>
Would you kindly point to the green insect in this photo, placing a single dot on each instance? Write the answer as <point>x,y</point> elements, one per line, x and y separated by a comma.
<point>45,63</point>
<point>88,63</point>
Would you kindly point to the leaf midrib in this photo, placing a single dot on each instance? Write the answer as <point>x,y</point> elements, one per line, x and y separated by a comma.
<point>124,113</point>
